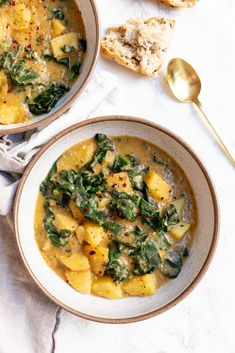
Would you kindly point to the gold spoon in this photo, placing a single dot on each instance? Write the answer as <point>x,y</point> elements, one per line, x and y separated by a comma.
<point>185,84</point>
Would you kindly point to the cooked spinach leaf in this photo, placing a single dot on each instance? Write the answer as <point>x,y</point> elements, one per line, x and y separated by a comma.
<point>46,100</point>
<point>116,267</point>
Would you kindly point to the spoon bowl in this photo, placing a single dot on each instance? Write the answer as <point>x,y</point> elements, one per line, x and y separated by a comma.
<point>183,80</point>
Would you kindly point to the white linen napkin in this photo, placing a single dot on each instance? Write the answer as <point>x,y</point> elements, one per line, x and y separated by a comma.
<point>17,150</point>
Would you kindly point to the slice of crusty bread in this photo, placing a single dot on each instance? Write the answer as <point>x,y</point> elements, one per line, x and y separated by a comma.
<point>180,3</point>
<point>139,44</point>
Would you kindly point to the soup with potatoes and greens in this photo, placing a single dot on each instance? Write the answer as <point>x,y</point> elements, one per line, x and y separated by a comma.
<point>112,222</point>
<point>42,46</point>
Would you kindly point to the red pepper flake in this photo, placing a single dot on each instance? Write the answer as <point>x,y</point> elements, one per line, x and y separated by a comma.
<point>124,185</point>
<point>29,46</point>
<point>85,210</point>
<point>10,90</point>
<point>120,178</point>
<point>92,252</point>
<point>120,214</point>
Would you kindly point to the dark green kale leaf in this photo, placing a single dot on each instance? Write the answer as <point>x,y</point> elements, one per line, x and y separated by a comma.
<point>93,183</point>
<point>19,73</point>
<point>74,71</point>
<point>135,170</point>
<point>165,168</point>
<point>113,227</point>
<point>46,186</point>
<point>3,2</point>
<point>116,267</point>
<point>46,100</point>
<point>169,219</point>
<point>104,145</point>
<point>124,205</point>
<point>58,238</point>
<point>119,163</point>
<point>146,257</point>
<point>173,261</point>
<point>58,14</point>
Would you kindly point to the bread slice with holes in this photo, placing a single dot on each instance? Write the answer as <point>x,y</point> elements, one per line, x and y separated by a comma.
<point>180,3</point>
<point>139,44</point>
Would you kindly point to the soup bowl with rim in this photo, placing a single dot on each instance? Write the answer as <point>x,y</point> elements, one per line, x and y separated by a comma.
<point>90,18</point>
<point>129,309</point>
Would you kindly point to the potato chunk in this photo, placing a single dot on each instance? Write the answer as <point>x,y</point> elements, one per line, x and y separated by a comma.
<point>64,220</point>
<point>80,281</point>
<point>93,233</point>
<point>57,28</point>
<point>80,234</point>
<point>158,188</point>
<point>76,157</point>
<point>21,17</point>
<point>119,182</point>
<point>3,83</point>
<point>75,262</point>
<point>57,43</point>
<point>75,211</point>
<point>179,205</point>
<point>180,230</point>
<point>98,257</point>
<point>11,113</point>
<point>140,285</point>
<point>105,287</point>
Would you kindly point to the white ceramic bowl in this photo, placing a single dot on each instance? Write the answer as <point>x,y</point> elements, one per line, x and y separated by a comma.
<point>133,308</point>
<point>92,28</point>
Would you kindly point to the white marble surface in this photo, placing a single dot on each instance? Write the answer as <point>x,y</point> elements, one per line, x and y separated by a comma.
<point>204,322</point>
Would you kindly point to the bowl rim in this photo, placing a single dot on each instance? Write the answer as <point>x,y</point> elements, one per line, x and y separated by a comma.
<point>211,186</point>
<point>67,105</point>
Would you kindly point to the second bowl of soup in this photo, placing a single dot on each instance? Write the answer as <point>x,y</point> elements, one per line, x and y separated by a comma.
<point>120,210</point>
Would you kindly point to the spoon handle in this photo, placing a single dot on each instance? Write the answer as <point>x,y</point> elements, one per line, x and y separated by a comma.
<point>215,133</point>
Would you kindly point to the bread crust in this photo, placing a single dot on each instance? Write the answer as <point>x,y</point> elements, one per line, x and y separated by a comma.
<point>180,3</point>
<point>139,45</point>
